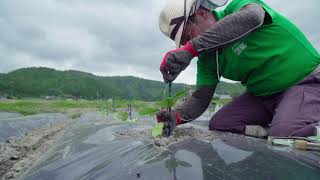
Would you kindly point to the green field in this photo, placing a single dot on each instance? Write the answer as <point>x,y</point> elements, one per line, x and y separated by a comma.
<point>35,106</point>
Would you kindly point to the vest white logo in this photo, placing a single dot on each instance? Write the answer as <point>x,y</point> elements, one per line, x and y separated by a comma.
<point>238,49</point>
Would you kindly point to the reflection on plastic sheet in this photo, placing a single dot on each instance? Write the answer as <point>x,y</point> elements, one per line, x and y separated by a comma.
<point>89,150</point>
<point>228,153</point>
<point>19,126</point>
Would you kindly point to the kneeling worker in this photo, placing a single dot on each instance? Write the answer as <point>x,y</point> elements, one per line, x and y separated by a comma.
<point>249,42</point>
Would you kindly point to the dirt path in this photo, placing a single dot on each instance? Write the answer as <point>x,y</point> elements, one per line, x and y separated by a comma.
<point>19,154</point>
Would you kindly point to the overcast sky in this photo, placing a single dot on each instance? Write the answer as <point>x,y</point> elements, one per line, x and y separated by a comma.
<point>106,37</point>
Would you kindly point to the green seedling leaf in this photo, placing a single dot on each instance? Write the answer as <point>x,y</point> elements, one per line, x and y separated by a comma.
<point>165,93</point>
<point>181,94</point>
<point>124,116</point>
<point>116,115</point>
<point>167,102</point>
<point>121,115</point>
<point>157,130</point>
<point>148,111</point>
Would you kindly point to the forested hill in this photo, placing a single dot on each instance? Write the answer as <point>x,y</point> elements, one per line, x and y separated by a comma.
<point>39,82</point>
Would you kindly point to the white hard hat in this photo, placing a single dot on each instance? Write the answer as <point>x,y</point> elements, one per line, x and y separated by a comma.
<point>175,14</point>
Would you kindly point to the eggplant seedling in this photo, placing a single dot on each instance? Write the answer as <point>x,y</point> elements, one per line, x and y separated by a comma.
<point>157,130</point>
<point>163,104</point>
<point>166,103</point>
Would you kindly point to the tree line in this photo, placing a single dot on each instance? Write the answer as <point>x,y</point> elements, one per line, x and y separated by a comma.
<point>41,82</point>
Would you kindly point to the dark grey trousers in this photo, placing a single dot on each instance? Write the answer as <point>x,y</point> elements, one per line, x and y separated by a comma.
<point>294,112</point>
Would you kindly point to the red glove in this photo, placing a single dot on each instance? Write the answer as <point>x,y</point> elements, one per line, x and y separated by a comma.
<point>176,61</point>
<point>164,116</point>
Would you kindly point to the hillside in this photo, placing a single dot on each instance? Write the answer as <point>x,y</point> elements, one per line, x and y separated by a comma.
<point>233,89</point>
<point>39,82</point>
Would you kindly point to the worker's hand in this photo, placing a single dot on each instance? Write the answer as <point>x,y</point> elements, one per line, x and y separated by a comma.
<point>164,116</point>
<point>176,61</point>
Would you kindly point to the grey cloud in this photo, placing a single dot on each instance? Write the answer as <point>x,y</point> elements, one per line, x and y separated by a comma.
<point>113,24</point>
<point>30,39</point>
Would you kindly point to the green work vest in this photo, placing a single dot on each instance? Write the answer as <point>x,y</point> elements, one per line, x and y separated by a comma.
<point>268,60</point>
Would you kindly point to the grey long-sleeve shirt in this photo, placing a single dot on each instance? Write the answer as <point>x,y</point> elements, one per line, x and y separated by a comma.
<point>226,31</point>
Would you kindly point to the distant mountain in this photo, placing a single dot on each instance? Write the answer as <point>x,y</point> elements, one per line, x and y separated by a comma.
<point>39,82</point>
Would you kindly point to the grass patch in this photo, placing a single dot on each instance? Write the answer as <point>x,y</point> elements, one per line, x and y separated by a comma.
<point>35,106</point>
<point>29,107</point>
<point>74,104</point>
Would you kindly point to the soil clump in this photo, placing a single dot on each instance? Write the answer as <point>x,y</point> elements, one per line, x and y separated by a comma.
<point>179,134</point>
<point>183,133</point>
